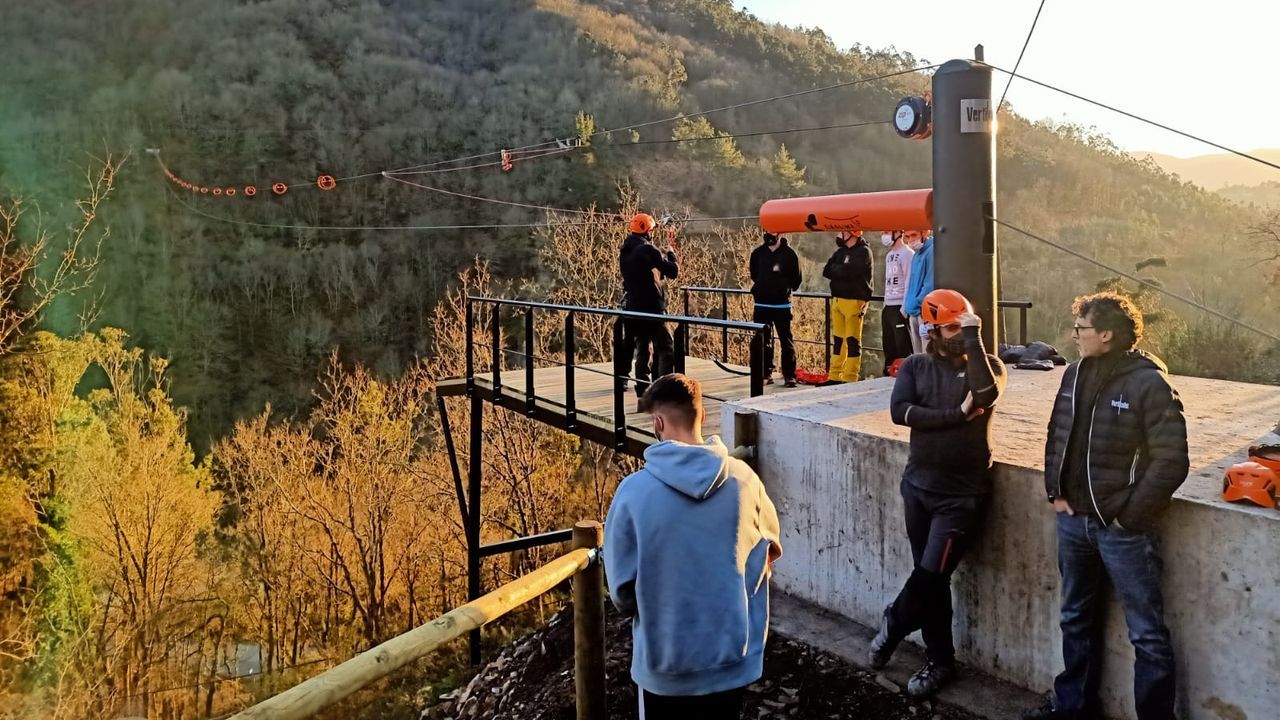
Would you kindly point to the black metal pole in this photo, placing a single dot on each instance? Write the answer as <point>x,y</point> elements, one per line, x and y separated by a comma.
<point>495,333</point>
<point>453,466</point>
<point>964,188</point>
<point>724,332</point>
<point>529,347</point>
<point>474,463</point>
<point>471,356</point>
<point>570,399</point>
<point>757,361</point>
<point>826,332</point>
<point>619,389</point>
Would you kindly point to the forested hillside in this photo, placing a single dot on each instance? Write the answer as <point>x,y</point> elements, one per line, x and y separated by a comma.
<point>253,93</point>
<point>220,433</point>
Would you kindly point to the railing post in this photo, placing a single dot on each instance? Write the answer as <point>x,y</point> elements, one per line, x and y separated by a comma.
<point>724,332</point>
<point>826,332</point>
<point>682,347</point>
<point>495,333</point>
<point>619,388</point>
<point>588,626</point>
<point>570,401</point>
<point>529,340</point>
<point>686,301</point>
<point>475,462</point>
<point>471,359</point>
<point>757,361</point>
<point>1022,325</point>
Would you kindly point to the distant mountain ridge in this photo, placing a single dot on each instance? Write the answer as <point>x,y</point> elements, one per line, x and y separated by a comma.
<point>1216,171</point>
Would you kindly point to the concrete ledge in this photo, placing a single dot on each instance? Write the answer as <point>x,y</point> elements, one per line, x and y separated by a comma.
<point>972,690</point>
<point>832,461</point>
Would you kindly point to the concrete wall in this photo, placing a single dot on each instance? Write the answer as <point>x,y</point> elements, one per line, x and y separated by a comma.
<point>832,460</point>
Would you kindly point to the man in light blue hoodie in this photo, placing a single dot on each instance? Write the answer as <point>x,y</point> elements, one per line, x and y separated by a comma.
<point>689,543</point>
<point>919,284</point>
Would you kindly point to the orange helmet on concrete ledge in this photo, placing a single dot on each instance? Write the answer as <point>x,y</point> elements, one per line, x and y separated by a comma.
<point>1250,481</point>
<point>943,307</point>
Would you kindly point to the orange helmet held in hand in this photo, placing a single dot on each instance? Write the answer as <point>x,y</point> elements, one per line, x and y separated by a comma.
<point>1250,481</point>
<point>641,224</point>
<point>943,307</point>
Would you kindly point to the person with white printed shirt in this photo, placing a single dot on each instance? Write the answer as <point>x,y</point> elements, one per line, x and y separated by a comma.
<point>894,327</point>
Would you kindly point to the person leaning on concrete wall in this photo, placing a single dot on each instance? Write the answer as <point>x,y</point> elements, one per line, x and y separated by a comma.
<point>1117,451</point>
<point>849,270</point>
<point>919,284</point>
<point>689,543</point>
<point>945,396</point>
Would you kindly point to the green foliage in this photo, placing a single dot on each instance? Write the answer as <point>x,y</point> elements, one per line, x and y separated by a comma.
<point>785,167</point>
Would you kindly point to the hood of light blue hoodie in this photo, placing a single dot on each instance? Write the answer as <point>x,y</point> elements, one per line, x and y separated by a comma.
<point>694,470</point>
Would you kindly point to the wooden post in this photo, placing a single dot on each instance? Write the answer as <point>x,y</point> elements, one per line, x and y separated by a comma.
<point>327,688</point>
<point>588,626</point>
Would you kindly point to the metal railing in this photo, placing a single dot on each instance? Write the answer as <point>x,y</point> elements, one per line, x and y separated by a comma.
<point>583,564</point>
<point>1022,306</point>
<point>760,338</point>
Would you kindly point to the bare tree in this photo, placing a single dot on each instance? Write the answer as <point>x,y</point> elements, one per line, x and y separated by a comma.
<point>29,279</point>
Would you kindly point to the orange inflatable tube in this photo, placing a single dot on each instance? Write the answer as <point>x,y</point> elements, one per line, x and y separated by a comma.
<point>893,210</point>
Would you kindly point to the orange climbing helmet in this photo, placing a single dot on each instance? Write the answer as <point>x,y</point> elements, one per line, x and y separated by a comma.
<point>1250,481</point>
<point>641,224</point>
<point>943,307</point>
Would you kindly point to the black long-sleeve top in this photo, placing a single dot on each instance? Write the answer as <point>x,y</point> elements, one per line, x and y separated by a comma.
<point>950,455</point>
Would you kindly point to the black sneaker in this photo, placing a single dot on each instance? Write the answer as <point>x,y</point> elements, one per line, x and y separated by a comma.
<point>768,380</point>
<point>790,382</point>
<point>1047,711</point>
<point>930,679</point>
<point>883,644</point>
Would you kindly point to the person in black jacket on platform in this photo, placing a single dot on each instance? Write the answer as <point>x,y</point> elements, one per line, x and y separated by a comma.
<point>775,274</point>
<point>1117,451</point>
<point>643,267</point>
<point>849,270</point>
<point>945,395</point>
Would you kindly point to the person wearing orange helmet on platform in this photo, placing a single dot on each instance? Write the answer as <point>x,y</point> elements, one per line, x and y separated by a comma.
<point>643,268</point>
<point>849,270</point>
<point>946,396</point>
<point>1116,452</point>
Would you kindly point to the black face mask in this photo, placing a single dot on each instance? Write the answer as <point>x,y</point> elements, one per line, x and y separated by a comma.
<point>839,242</point>
<point>952,346</point>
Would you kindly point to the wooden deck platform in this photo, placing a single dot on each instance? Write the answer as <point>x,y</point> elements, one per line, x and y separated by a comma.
<point>593,393</point>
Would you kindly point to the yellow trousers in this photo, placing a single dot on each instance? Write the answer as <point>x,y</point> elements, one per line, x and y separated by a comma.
<point>846,338</point>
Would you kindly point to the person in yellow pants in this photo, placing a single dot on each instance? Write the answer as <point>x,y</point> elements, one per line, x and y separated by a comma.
<point>849,270</point>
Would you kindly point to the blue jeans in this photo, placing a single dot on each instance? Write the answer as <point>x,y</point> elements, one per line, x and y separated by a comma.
<point>1088,552</point>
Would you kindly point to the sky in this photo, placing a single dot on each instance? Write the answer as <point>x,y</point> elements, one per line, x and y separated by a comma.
<point>1205,68</point>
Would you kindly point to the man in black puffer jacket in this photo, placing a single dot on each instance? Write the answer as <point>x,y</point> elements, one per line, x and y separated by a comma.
<point>775,274</point>
<point>1117,451</point>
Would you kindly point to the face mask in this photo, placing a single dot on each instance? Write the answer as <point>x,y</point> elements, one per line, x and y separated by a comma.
<point>915,246</point>
<point>953,346</point>
<point>839,241</point>
<point>886,240</point>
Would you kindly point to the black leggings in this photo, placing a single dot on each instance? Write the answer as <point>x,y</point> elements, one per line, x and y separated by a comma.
<point>941,528</point>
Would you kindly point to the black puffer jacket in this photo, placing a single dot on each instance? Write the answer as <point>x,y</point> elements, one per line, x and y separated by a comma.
<point>849,270</point>
<point>775,274</point>
<point>1136,444</point>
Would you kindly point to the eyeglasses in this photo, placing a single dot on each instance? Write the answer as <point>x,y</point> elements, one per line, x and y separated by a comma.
<point>1075,329</point>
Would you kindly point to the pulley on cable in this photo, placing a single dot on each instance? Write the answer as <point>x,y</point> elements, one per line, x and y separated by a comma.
<point>913,118</point>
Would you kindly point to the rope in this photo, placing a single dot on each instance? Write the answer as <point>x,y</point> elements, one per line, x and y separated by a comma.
<point>1025,43</point>
<point>1135,278</point>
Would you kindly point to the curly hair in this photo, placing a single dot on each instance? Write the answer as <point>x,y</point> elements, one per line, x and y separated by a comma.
<point>1114,312</point>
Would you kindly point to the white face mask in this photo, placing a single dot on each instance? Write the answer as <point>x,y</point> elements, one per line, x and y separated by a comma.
<point>886,240</point>
<point>915,246</point>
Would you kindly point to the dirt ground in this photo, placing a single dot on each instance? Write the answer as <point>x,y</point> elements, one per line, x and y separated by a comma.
<point>533,680</point>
